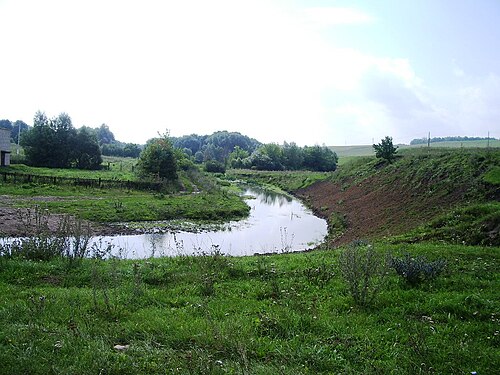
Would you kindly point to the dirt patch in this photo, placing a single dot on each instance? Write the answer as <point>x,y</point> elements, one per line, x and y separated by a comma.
<point>378,206</point>
<point>13,221</point>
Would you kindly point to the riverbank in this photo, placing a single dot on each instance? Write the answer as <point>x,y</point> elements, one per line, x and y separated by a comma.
<point>104,210</point>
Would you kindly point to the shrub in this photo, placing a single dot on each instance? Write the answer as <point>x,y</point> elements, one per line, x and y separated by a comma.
<point>417,270</point>
<point>385,149</point>
<point>214,166</point>
<point>363,269</point>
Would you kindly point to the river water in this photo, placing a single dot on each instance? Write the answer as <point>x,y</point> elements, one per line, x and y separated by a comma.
<point>277,223</point>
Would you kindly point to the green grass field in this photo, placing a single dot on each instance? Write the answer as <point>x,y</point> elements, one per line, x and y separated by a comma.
<point>281,314</point>
<point>367,150</point>
<point>124,205</point>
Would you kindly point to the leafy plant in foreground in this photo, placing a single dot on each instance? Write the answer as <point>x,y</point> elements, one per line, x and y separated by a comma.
<point>363,269</point>
<point>417,270</point>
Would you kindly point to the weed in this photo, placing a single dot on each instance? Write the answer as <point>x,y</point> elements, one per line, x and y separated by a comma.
<point>417,270</point>
<point>286,242</point>
<point>363,269</point>
<point>104,284</point>
<point>319,275</point>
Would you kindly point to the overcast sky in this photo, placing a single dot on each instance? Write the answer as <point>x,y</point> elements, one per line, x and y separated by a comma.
<point>304,71</point>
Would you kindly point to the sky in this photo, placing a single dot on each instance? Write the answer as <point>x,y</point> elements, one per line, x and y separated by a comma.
<point>330,72</point>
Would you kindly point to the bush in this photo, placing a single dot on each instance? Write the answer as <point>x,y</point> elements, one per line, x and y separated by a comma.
<point>417,270</point>
<point>214,166</point>
<point>385,149</point>
<point>363,269</point>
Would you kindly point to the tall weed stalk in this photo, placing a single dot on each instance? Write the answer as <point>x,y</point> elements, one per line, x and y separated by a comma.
<point>364,270</point>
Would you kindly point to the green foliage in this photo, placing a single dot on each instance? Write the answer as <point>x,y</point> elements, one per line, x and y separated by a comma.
<point>216,146</point>
<point>274,157</point>
<point>493,175</point>
<point>158,160</point>
<point>16,128</point>
<point>319,158</point>
<point>363,270</point>
<point>126,150</point>
<point>55,143</point>
<point>289,181</point>
<point>236,157</point>
<point>416,270</point>
<point>475,224</point>
<point>214,166</point>
<point>420,141</point>
<point>385,149</point>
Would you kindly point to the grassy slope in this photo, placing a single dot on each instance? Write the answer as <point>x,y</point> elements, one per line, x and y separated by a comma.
<point>287,314</point>
<point>377,200</point>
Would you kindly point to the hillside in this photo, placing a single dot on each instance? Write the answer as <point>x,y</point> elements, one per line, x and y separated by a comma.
<point>367,150</point>
<point>369,199</point>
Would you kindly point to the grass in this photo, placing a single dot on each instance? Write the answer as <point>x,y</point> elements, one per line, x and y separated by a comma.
<point>285,314</point>
<point>213,202</point>
<point>367,150</point>
<point>288,181</point>
<point>474,224</point>
<point>106,205</point>
<point>116,168</point>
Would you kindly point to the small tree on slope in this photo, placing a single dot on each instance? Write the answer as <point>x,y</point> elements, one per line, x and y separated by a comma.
<point>386,150</point>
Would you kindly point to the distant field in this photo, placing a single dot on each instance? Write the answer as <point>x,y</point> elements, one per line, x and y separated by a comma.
<point>367,150</point>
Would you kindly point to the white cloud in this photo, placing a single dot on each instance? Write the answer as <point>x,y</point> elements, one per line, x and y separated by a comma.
<point>196,67</point>
<point>331,16</point>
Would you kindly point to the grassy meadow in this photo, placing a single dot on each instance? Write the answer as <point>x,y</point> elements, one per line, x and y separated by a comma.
<point>346,153</point>
<point>200,198</point>
<point>280,314</point>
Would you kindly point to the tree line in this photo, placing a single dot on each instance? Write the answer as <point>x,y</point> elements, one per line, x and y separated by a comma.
<point>225,149</point>
<point>55,143</point>
<point>421,141</point>
<point>105,138</point>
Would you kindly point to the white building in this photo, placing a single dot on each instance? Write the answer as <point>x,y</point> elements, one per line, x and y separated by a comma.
<point>4,147</point>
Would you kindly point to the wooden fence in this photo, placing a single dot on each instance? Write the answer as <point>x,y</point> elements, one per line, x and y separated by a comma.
<point>12,177</point>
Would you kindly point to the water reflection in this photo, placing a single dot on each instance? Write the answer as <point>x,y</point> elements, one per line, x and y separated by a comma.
<point>277,223</point>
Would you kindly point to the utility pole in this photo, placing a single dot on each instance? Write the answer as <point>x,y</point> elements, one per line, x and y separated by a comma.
<point>18,137</point>
<point>488,144</point>
<point>429,140</point>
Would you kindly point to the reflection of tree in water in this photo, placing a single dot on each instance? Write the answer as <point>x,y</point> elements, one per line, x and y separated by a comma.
<point>270,197</point>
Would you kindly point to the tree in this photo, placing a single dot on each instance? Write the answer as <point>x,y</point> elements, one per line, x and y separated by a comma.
<point>293,156</point>
<point>86,154</point>
<point>268,157</point>
<point>158,159</point>
<point>104,135</point>
<point>236,157</point>
<point>319,158</point>
<point>19,127</point>
<point>55,143</point>
<point>386,150</point>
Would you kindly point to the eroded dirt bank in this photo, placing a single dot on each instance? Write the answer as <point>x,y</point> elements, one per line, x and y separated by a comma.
<point>377,206</point>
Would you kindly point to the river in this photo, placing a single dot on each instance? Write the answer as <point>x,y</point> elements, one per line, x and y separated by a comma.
<point>277,223</point>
